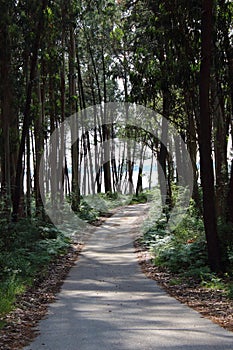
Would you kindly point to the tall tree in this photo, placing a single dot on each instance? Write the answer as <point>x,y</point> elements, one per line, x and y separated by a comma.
<point>6,105</point>
<point>205,138</point>
<point>27,111</point>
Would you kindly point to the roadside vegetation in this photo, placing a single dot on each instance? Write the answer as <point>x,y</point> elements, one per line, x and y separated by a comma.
<point>30,245</point>
<point>183,252</point>
<point>27,247</point>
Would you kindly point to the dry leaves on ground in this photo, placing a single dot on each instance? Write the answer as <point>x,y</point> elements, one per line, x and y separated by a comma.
<point>32,305</point>
<point>212,304</point>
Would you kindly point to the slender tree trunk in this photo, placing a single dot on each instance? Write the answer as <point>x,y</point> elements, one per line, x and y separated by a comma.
<point>230,197</point>
<point>205,138</point>
<point>74,128</point>
<point>220,149</point>
<point>120,167</point>
<point>27,111</point>
<point>39,148</point>
<point>83,107</point>
<point>163,154</point>
<point>62,159</point>
<point>97,156</point>
<point>229,54</point>
<point>170,175</point>
<point>139,181</point>
<point>6,111</point>
<point>106,135</point>
<point>29,187</point>
<point>106,165</point>
<point>151,170</point>
<point>192,148</point>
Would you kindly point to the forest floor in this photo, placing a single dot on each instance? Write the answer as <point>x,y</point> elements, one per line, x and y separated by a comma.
<point>210,303</point>
<point>32,306</point>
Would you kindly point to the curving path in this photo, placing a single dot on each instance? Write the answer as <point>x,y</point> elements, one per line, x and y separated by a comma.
<point>107,303</point>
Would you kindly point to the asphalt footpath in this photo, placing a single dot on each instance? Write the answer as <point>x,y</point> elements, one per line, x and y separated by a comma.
<point>107,303</point>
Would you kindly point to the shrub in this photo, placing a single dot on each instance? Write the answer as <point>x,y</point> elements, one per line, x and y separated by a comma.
<point>28,251</point>
<point>225,232</point>
<point>179,257</point>
<point>140,198</point>
<point>87,213</point>
<point>182,251</point>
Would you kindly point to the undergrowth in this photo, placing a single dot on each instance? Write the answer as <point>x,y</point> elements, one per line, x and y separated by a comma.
<point>102,203</point>
<point>27,247</point>
<point>183,252</point>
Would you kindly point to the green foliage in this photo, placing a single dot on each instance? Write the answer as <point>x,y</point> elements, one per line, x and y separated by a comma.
<point>212,281</point>
<point>31,245</point>
<point>182,250</point>
<point>175,281</point>
<point>87,213</point>
<point>8,291</point>
<point>179,257</point>
<point>112,195</point>
<point>230,290</point>
<point>225,233</point>
<point>140,198</point>
<point>103,202</point>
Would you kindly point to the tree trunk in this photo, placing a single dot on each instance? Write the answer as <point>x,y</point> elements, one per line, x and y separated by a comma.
<point>220,149</point>
<point>139,181</point>
<point>39,148</point>
<point>163,155</point>
<point>27,111</point>
<point>6,112</point>
<point>230,197</point>
<point>28,194</point>
<point>229,54</point>
<point>74,128</point>
<point>192,149</point>
<point>106,135</point>
<point>206,163</point>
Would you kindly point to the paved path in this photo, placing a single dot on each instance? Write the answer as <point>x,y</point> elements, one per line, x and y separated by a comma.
<point>107,303</point>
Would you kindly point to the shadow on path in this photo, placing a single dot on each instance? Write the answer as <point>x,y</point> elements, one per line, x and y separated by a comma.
<point>107,303</point>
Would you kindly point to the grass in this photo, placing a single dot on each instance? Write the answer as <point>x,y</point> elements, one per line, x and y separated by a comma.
<point>8,292</point>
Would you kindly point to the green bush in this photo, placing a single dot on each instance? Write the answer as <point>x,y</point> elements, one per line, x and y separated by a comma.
<point>182,251</point>
<point>140,198</point>
<point>27,252</point>
<point>179,257</point>
<point>212,281</point>
<point>87,213</point>
<point>103,202</point>
<point>225,232</point>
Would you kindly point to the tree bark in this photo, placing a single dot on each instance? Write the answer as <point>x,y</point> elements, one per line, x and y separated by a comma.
<point>221,127</point>
<point>230,197</point>
<point>74,128</point>
<point>27,111</point>
<point>205,138</point>
<point>39,148</point>
<point>7,121</point>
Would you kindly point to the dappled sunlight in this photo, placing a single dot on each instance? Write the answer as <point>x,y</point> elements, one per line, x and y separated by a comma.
<point>108,303</point>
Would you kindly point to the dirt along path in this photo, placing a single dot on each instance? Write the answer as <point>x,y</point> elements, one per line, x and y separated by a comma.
<point>107,302</point>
